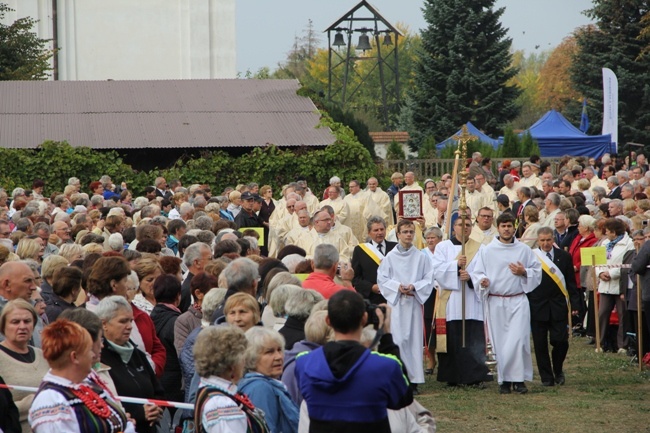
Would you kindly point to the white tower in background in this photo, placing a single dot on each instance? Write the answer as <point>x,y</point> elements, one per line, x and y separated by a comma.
<point>137,40</point>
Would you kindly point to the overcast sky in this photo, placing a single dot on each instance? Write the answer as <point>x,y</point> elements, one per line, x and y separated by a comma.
<point>266,28</point>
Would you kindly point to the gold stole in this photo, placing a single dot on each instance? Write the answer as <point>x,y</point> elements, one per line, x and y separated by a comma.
<point>547,269</point>
<point>442,297</point>
<point>370,253</point>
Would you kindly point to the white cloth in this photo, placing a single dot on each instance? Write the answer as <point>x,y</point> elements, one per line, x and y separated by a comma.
<point>483,237</point>
<point>220,413</point>
<point>309,240</point>
<point>445,268</point>
<point>508,311</point>
<point>612,287</point>
<point>383,202</point>
<point>51,412</point>
<point>531,180</point>
<point>407,321</point>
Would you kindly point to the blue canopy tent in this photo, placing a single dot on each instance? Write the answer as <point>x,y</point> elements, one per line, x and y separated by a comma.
<point>557,137</point>
<point>473,130</point>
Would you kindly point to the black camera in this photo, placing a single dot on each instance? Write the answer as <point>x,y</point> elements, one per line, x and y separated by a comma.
<point>373,319</point>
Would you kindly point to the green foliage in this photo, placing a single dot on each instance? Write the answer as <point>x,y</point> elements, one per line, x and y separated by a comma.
<point>463,70</point>
<point>510,146</point>
<point>395,151</point>
<point>486,149</point>
<point>528,146</point>
<point>614,43</point>
<point>55,162</point>
<point>357,125</point>
<point>23,56</point>
<point>428,149</point>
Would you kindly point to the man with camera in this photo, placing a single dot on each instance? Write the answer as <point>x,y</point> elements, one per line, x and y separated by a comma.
<point>348,388</point>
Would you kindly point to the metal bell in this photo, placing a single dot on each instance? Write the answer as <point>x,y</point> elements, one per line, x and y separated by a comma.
<point>338,40</point>
<point>364,43</point>
<point>387,40</point>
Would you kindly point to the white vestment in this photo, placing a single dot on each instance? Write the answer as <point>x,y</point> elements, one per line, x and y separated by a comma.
<point>309,240</point>
<point>341,209</point>
<point>382,201</point>
<point>484,237</point>
<point>532,180</point>
<point>362,207</point>
<point>401,267</point>
<point>445,271</point>
<point>508,311</point>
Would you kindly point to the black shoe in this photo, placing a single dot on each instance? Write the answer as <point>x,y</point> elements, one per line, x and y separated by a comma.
<point>560,379</point>
<point>428,371</point>
<point>504,388</point>
<point>548,383</point>
<point>414,388</point>
<point>519,387</point>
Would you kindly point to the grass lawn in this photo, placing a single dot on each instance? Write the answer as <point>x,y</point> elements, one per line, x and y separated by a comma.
<point>603,393</point>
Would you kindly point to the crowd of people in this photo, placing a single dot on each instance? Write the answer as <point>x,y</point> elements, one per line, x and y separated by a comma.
<point>263,311</point>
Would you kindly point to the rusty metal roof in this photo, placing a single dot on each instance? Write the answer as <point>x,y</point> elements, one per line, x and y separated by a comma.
<point>158,114</point>
<point>388,137</point>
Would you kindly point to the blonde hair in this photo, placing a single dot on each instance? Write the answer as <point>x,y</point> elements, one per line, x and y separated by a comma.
<point>28,249</point>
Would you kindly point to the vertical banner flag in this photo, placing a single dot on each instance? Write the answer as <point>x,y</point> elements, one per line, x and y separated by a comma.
<point>584,118</point>
<point>610,106</point>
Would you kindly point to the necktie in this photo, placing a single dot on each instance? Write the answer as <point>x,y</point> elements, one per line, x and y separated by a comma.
<point>379,247</point>
<point>549,256</point>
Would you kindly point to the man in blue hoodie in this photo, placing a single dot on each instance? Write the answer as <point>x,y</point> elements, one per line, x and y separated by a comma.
<point>347,387</point>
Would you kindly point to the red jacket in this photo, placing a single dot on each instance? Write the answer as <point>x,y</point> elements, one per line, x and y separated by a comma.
<point>578,243</point>
<point>151,341</point>
<point>323,284</point>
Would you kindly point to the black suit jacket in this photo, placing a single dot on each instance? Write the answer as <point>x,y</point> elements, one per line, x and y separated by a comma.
<point>365,273</point>
<point>572,232</point>
<point>615,193</point>
<point>522,224</point>
<point>547,302</point>
<point>167,194</point>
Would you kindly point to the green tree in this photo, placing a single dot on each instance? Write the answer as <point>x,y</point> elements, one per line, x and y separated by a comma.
<point>463,70</point>
<point>511,145</point>
<point>395,151</point>
<point>23,56</point>
<point>614,42</point>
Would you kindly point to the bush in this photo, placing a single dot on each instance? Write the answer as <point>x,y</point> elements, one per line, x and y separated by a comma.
<point>55,162</point>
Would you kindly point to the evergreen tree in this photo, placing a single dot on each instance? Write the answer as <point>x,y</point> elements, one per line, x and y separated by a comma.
<point>510,146</point>
<point>463,70</point>
<point>395,151</point>
<point>615,43</point>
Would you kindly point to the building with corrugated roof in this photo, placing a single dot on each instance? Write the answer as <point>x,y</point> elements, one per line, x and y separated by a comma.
<point>154,122</point>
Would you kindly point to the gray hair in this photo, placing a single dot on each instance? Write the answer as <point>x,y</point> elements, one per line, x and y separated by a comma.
<point>587,221</point>
<point>206,236</point>
<point>218,349</point>
<point>74,181</point>
<point>212,301</point>
<point>433,231</point>
<point>67,251</point>
<point>618,203</point>
<point>140,202</point>
<point>203,223</point>
<point>116,242</point>
<point>334,179</point>
<point>316,328</point>
<point>258,338</point>
<point>554,198</point>
<point>185,208</point>
<point>613,179</point>
<point>252,241</point>
<point>110,305</point>
<point>301,303</point>
<point>628,187</point>
<point>97,200</point>
<point>325,256</point>
<point>279,297</point>
<point>624,174</point>
<point>291,261</point>
<point>599,190</point>
<point>17,191</point>
<point>241,274</point>
<point>375,220</point>
<point>194,252</point>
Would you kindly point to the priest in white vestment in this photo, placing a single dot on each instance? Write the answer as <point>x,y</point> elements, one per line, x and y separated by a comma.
<point>362,208</point>
<point>322,233</point>
<point>381,199</point>
<point>458,365</point>
<point>304,226</point>
<point>484,230</point>
<point>405,279</point>
<point>340,207</point>
<point>506,270</point>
